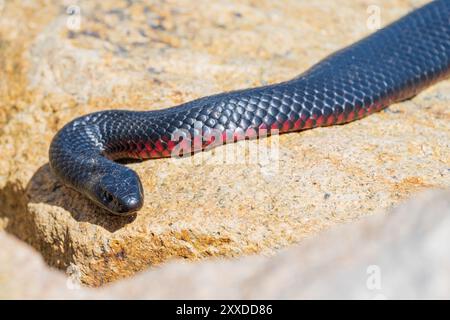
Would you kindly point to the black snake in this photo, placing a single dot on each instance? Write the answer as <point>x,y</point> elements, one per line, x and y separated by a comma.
<point>390,65</point>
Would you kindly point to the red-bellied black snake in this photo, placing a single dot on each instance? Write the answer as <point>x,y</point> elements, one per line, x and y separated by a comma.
<point>392,64</point>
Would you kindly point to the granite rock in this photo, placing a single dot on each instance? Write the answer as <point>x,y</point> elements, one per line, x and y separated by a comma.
<point>399,255</point>
<point>24,274</point>
<point>61,61</point>
<point>402,254</point>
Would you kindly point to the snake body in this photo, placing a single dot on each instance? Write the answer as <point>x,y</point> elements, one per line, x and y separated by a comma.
<point>392,64</point>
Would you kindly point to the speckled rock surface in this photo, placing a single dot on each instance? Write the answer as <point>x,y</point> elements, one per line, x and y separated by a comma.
<point>24,274</point>
<point>400,255</point>
<point>154,55</point>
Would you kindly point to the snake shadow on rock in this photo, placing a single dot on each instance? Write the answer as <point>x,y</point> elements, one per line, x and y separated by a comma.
<point>44,187</point>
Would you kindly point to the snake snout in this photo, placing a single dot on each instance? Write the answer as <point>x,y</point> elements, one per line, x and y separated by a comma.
<point>130,204</point>
<point>120,193</point>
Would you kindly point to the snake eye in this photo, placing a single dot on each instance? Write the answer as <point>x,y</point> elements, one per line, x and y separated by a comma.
<point>107,197</point>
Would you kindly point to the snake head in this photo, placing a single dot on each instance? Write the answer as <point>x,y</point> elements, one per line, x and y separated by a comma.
<point>119,192</point>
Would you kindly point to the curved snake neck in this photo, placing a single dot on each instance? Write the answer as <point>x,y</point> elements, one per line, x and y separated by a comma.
<point>393,64</point>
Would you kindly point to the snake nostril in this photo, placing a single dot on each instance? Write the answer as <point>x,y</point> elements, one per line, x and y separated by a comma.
<point>133,204</point>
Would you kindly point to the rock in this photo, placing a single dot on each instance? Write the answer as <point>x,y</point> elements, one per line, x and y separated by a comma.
<point>399,255</point>
<point>119,55</point>
<point>24,275</point>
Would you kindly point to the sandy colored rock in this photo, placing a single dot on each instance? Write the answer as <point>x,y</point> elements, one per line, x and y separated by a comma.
<point>154,55</point>
<point>400,255</point>
<point>24,274</point>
